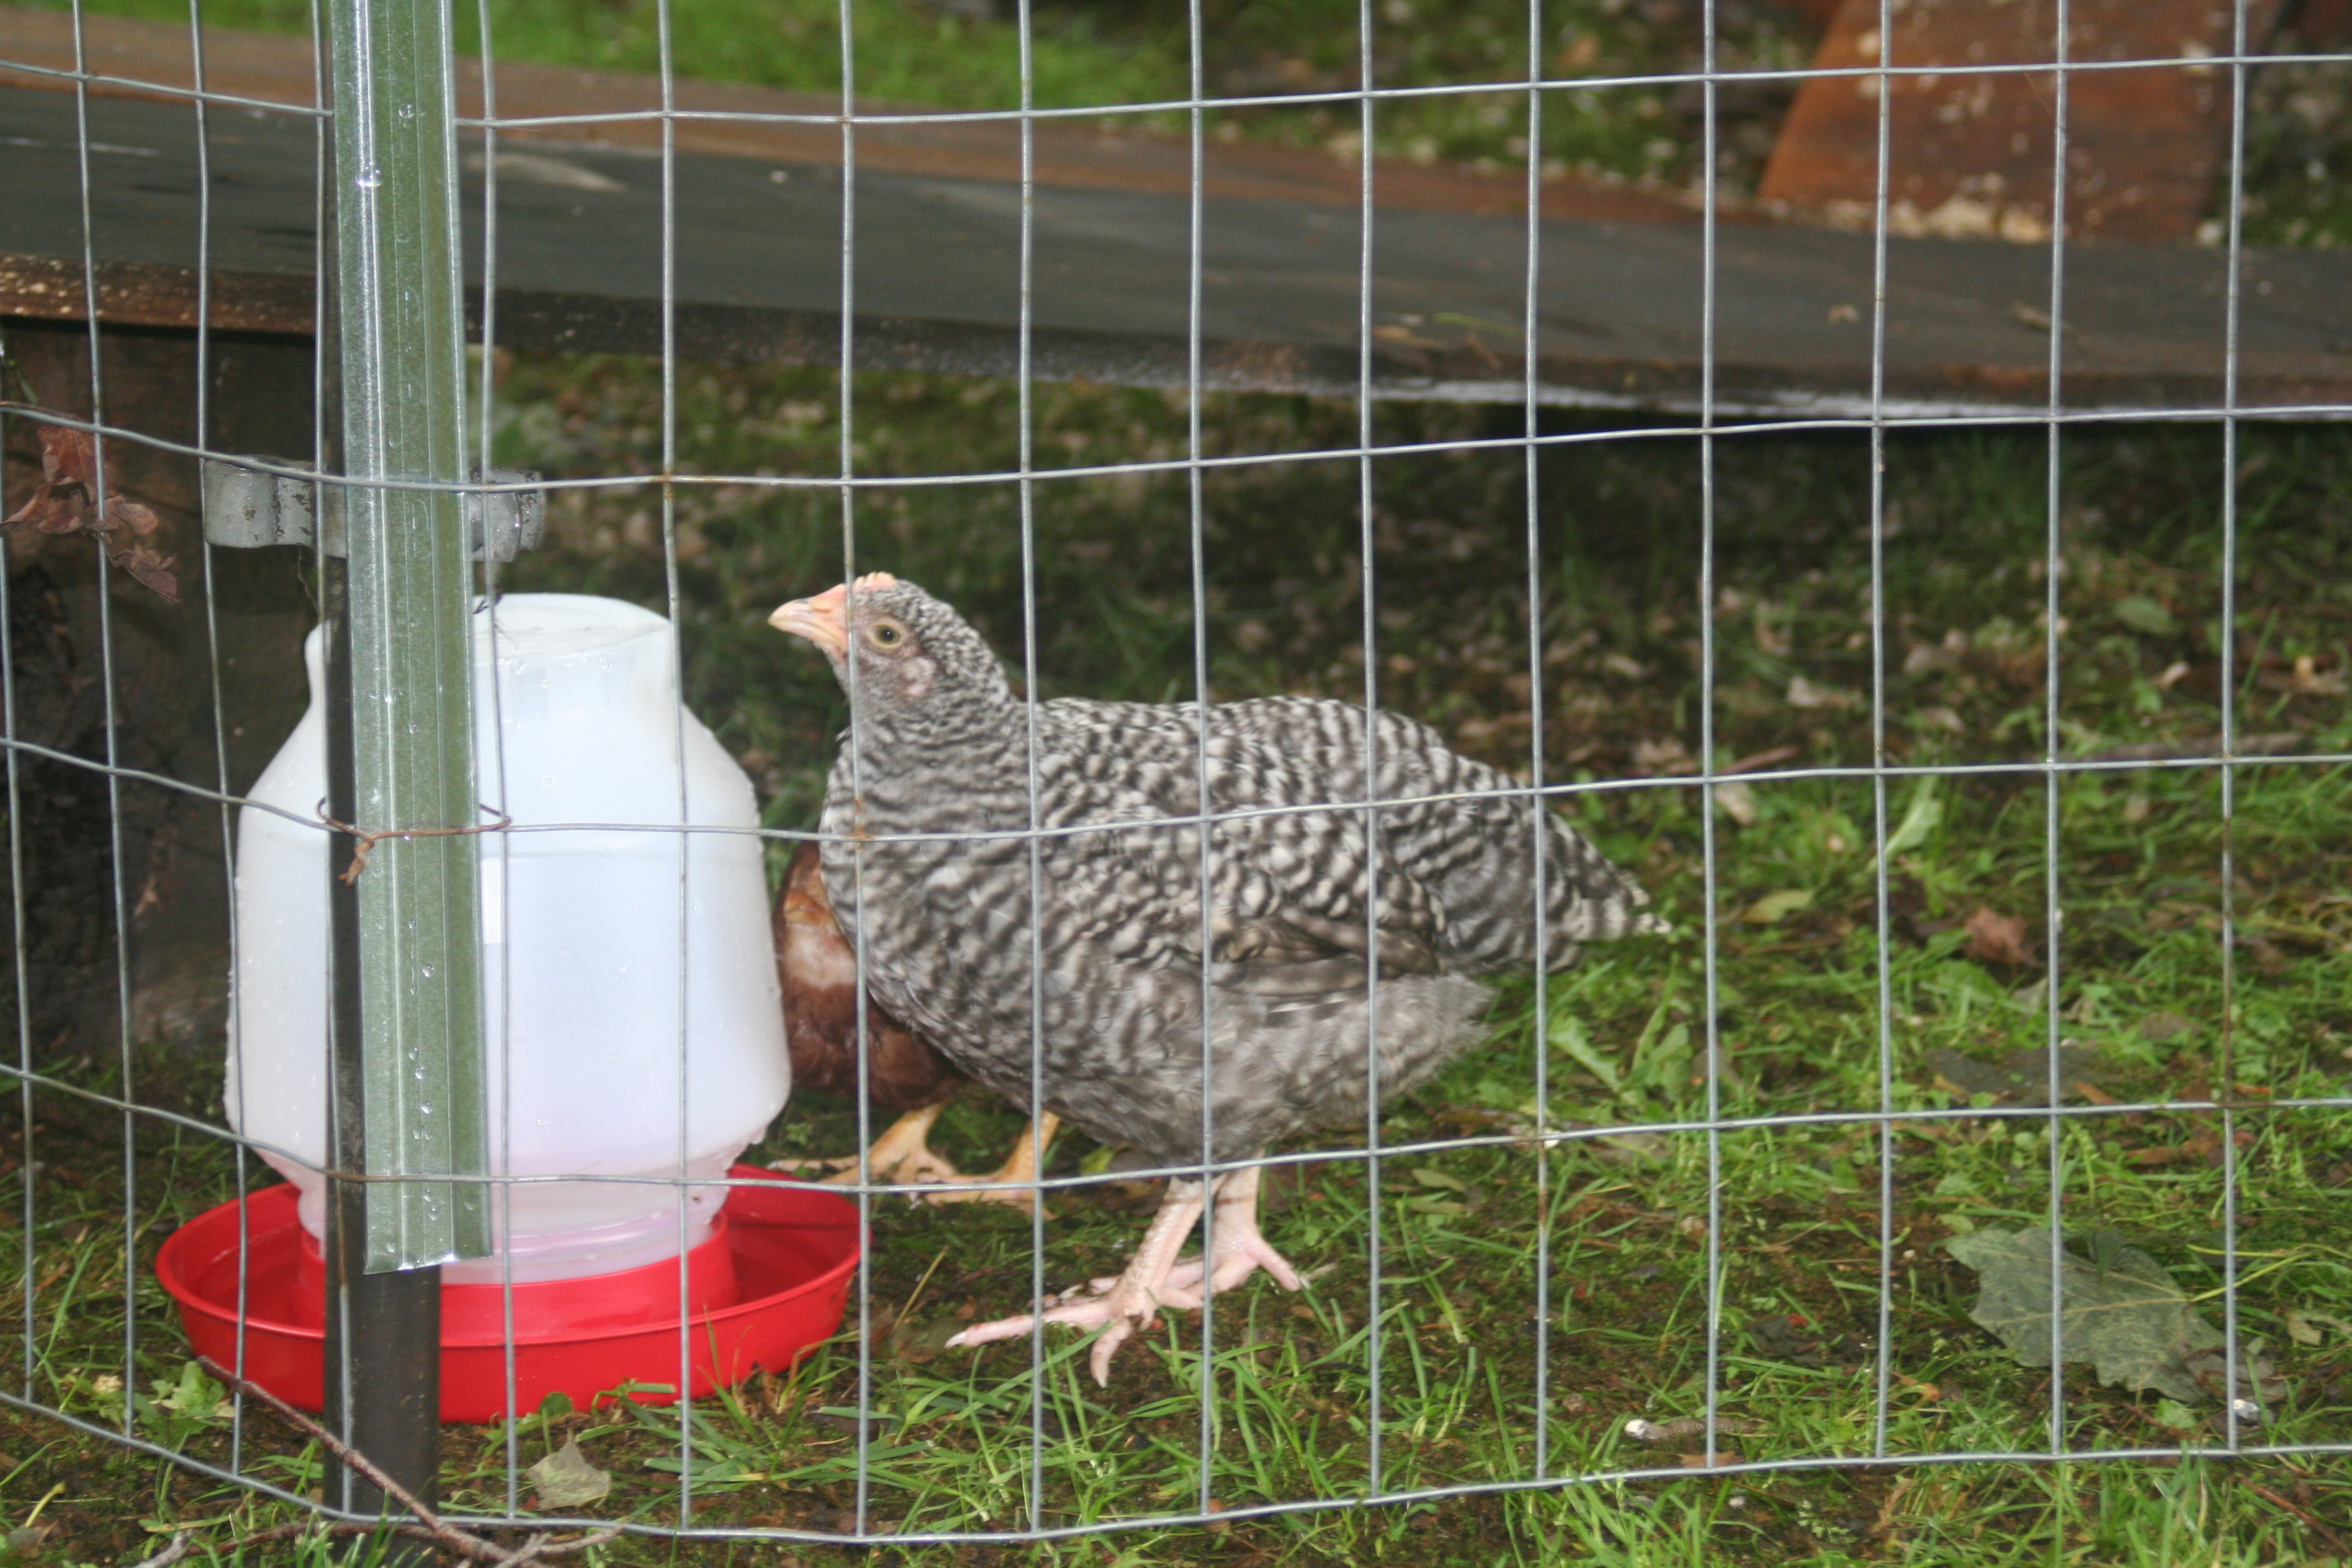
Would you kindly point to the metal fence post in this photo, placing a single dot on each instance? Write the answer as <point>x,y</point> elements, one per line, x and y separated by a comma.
<point>408,1082</point>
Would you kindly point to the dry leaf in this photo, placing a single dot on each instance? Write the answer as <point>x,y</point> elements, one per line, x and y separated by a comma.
<point>154,570</point>
<point>1737,802</point>
<point>566,1480</point>
<point>1803,693</point>
<point>50,510</point>
<point>62,503</point>
<point>1997,939</point>
<point>129,515</point>
<point>69,456</point>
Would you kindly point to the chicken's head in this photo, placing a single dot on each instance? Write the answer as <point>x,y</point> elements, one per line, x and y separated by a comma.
<point>913,654</point>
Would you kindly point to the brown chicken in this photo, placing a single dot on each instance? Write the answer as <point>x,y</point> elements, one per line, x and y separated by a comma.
<point>818,970</point>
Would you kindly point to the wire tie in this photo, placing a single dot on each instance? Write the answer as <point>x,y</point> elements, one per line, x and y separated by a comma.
<point>350,875</point>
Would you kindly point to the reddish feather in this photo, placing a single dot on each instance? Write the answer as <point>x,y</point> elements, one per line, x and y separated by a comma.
<point>818,970</point>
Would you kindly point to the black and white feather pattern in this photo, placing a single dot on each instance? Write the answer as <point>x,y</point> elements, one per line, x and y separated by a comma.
<point>1314,949</point>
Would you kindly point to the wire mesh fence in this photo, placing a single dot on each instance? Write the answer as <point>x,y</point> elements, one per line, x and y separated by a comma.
<point>1979,736</point>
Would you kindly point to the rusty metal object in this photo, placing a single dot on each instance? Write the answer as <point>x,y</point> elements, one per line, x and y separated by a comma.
<point>1972,154</point>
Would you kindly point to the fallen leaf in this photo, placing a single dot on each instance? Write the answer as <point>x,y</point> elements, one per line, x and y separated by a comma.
<point>1803,693</point>
<point>61,504</point>
<point>69,456</point>
<point>2304,1328</point>
<point>2159,1028</point>
<point>1997,939</point>
<point>566,1480</point>
<point>1737,802</point>
<point>1687,1426</point>
<point>1631,1148</point>
<point>1774,908</point>
<point>2023,1076</point>
<point>2121,1313</point>
<point>1430,1177</point>
<point>2146,616</point>
<point>154,570</point>
<point>1667,755</point>
<point>141,521</point>
<point>49,509</point>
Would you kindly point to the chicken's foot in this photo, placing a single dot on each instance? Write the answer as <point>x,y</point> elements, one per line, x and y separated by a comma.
<point>1130,1302</point>
<point>1156,1277</point>
<point>1240,1249</point>
<point>902,1155</point>
<point>1023,1165</point>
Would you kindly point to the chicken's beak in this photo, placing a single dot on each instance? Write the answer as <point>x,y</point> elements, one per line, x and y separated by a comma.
<point>823,619</point>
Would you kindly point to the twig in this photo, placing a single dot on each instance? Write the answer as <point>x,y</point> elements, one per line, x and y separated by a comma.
<point>430,1526</point>
<point>2284,743</point>
<point>2335,1541</point>
<point>341,1450</point>
<point>349,876</point>
<point>1765,759</point>
<point>170,1555</point>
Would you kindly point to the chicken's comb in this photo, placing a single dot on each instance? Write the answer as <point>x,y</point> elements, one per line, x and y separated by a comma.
<point>874,581</point>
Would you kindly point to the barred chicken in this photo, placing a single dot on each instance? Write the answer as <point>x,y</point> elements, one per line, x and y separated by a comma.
<point>1310,957</point>
<point>817,970</point>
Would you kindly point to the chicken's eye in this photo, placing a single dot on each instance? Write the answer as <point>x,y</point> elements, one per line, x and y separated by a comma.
<point>885,634</point>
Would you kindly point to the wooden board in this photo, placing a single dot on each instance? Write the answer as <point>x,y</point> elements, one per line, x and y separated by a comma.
<point>1973,153</point>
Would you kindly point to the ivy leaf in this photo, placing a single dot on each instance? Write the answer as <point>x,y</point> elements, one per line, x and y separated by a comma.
<point>2123,1313</point>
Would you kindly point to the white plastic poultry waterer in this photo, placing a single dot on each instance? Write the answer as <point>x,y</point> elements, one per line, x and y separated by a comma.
<point>587,945</point>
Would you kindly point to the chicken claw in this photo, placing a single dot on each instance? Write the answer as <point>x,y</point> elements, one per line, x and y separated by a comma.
<point>1157,1278</point>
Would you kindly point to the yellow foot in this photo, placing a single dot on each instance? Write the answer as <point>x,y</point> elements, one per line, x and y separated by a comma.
<point>1028,1157</point>
<point>903,1154</point>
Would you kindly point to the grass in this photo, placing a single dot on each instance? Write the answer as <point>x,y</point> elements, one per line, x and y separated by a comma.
<point>1090,53</point>
<point>1614,1226</point>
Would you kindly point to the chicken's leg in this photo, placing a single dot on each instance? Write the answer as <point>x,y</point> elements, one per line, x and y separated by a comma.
<point>1240,1249</point>
<point>1131,1302</point>
<point>903,1153</point>
<point>1156,1278</point>
<point>1023,1165</point>
<point>904,1156</point>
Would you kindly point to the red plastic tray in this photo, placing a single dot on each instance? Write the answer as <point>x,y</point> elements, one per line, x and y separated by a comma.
<point>768,1287</point>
